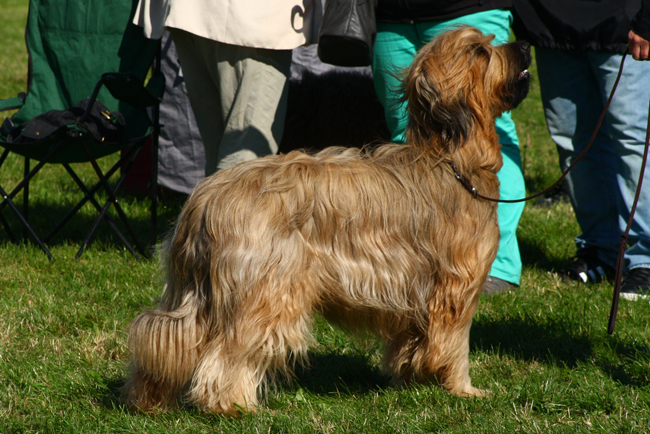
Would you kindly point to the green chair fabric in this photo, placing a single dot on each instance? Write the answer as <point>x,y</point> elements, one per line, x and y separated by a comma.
<point>83,49</point>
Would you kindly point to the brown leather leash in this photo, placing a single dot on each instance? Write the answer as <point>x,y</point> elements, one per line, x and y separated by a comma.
<point>624,237</point>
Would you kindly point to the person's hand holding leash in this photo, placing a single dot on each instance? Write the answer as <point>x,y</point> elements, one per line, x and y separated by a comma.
<point>638,46</point>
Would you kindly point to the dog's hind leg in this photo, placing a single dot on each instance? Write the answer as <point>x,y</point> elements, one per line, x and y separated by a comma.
<point>165,348</point>
<point>399,353</point>
<point>270,328</point>
<point>144,392</point>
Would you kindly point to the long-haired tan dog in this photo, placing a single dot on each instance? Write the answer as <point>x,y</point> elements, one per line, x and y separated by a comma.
<point>387,240</point>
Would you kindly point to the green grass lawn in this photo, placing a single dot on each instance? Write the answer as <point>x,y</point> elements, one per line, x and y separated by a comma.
<point>542,350</point>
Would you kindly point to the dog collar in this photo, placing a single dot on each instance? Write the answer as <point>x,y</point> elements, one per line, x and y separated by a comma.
<point>464,181</point>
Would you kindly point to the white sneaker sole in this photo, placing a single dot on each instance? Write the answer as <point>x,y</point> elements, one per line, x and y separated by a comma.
<point>631,296</point>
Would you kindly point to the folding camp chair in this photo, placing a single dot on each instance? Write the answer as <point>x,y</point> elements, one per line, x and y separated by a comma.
<point>85,100</point>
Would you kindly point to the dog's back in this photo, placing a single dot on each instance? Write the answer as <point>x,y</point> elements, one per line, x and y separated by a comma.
<point>359,228</point>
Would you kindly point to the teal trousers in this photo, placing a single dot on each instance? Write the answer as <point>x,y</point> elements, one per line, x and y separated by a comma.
<point>395,49</point>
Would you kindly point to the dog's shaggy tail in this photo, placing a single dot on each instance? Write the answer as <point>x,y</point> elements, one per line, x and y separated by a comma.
<point>166,348</point>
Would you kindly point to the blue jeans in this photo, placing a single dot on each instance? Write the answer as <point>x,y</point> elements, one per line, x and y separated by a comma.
<point>395,49</point>
<point>575,87</point>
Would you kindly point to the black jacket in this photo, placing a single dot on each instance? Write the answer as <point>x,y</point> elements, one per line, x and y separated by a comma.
<point>406,11</point>
<point>641,23</point>
<point>599,25</point>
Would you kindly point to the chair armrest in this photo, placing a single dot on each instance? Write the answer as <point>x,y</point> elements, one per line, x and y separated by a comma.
<point>128,88</point>
<point>12,103</point>
<point>123,87</point>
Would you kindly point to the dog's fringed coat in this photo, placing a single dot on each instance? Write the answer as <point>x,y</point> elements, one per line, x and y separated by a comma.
<point>383,239</point>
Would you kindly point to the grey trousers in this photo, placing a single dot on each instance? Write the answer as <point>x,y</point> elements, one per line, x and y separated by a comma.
<point>181,155</point>
<point>239,97</point>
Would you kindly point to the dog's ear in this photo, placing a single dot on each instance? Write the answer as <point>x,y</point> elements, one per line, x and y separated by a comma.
<point>443,89</point>
<point>432,113</point>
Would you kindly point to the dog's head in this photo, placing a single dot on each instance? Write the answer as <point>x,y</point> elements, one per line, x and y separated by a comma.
<point>459,83</point>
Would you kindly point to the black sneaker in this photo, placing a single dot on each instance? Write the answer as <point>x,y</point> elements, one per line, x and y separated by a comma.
<point>636,284</point>
<point>588,268</point>
<point>494,285</point>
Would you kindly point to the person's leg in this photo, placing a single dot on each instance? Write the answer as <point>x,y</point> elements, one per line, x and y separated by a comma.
<point>626,123</point>
<point>181,154</point>
<point>238,95</point>
<point>203,92</point>
<point>394,51</point>
<point>572,105</point>
<point>507,265</point>
<point>255,122</point>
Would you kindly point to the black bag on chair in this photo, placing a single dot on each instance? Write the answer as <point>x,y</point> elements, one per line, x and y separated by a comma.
<point>105,126</point>
<point>347,32</point>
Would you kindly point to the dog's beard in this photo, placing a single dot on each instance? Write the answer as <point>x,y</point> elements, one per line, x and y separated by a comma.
<point>519,84</point>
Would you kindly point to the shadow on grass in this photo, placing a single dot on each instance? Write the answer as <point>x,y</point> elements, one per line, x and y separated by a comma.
<point>557,344</point>
<point>533,255</point>
<point>630,367</point>
<point>341,374</point>
<point>112,398</point>
<point>44,217</point>
<point>335,374</point>
<point>524,339</point>
<point>325,374</point>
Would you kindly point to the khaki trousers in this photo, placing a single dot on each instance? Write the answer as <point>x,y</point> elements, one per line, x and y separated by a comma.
<point>239,97</point>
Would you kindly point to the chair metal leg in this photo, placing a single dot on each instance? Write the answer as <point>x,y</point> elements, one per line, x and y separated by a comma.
<point>102,215</point>
<point>3,220</point>
<point>10,233</point>
<point>89,193</point>
<point>31,174</point>
<point>88,197</point>
<point>112,201</point>
<point>26,197</point>
<point>23,185</point>
<point>25,223</point>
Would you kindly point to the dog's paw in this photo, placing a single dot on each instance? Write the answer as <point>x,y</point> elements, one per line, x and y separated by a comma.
<point>474,392</point>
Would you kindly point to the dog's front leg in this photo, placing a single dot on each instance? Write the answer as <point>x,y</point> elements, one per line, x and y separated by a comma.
<point>437,351</point>
<point>447,352</point>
